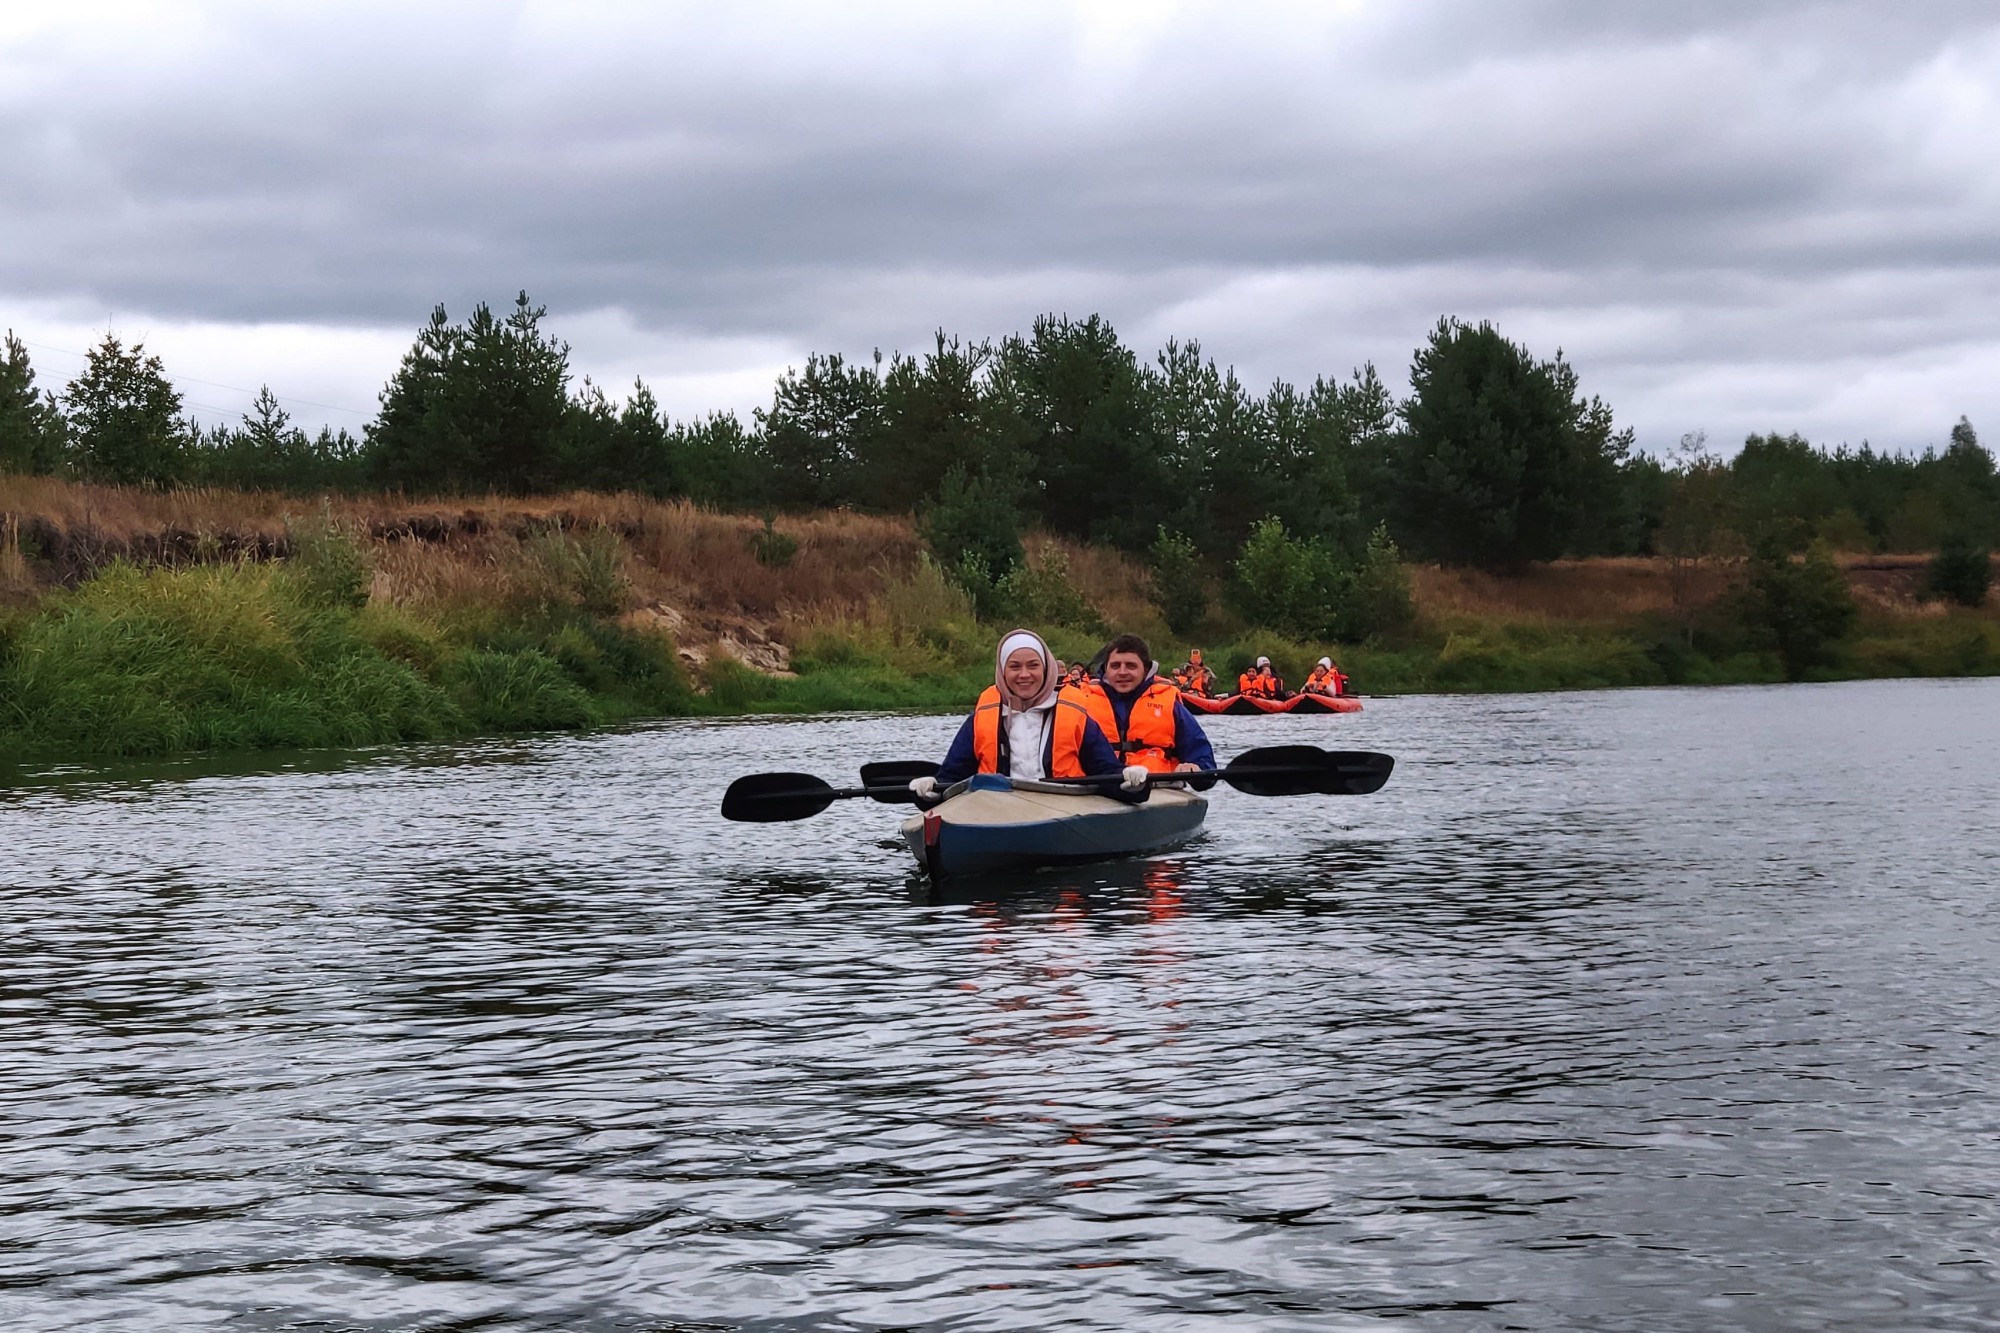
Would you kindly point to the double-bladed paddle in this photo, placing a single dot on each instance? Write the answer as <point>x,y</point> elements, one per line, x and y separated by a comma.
<point>1273,770</point>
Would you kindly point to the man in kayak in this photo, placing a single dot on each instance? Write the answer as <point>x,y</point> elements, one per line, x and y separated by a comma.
<point>1194,676</point>
<point>1144,715</point>
<point>1260,681</point>
<point>1022,728</point>
<point>1326,678</point>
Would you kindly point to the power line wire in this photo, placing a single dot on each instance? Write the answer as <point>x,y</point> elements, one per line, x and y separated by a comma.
<point>213,384</point>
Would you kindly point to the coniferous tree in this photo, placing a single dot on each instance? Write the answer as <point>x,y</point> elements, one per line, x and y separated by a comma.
<point>936,414</point>
<point>30,429</point>
<point>1501,462</point>
<point>124,418</point>
<point>483,405</point>
<point>1096,471</point>
<point>821,422</point>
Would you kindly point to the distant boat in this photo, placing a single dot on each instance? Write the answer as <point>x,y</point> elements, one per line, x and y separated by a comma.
<point>1245,705</point>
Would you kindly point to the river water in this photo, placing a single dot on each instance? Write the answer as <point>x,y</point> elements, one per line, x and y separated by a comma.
<point>1645,1010</point>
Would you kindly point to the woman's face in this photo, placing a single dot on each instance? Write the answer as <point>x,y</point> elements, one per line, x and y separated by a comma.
<point>1023,673</point>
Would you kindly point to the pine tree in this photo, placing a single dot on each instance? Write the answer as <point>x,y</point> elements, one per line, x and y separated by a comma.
<point>30,429</point>
<point>124,418</point>
<point>478,406</point>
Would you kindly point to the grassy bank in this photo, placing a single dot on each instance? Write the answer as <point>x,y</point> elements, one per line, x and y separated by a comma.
<point>136,622</point>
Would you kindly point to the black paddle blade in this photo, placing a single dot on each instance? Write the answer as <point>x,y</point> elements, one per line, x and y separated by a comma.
<point>895,773</point>
<point>775,798</point>
<point>1307,770</point>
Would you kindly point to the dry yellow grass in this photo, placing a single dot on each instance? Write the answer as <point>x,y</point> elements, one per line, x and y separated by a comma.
<point>467,549</point>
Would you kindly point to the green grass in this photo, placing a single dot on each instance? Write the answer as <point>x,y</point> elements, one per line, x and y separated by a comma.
<point>291,656</point>
<point>145,662</point>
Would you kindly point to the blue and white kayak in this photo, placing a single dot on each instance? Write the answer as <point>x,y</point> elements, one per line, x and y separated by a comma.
<point>992,823</point>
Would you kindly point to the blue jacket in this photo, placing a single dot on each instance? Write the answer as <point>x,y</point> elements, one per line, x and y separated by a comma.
<point>1190,741</point>
<point>1096,754</point>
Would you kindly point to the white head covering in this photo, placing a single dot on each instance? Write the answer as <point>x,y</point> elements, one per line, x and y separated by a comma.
<point>1010,643</point>
<point>1326,661</point>
<point>1263,661</point>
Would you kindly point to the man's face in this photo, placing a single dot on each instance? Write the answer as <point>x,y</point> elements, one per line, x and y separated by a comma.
<point>1124,671</point>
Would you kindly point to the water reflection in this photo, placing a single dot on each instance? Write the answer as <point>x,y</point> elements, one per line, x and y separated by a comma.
<point>1608,1013</point>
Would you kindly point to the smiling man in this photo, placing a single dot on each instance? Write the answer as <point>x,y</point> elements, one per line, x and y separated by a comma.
<point>1142,715</point>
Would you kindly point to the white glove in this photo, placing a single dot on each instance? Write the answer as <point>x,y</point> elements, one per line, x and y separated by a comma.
<point>1135,777</point>
<point>925,788</point>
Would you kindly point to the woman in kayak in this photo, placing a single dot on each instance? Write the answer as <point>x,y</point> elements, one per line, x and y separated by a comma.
<point>1261,681</point>
<point>1022,728</point>
<point>1326,679</point>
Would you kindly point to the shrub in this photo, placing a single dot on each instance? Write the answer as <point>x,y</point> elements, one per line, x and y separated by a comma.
<point>1960,571</point>
<point>973,530</point>
<point>1802,608</point>
<point>1041,594</point>
<point>771,548</point>
<point>1179,582</point>
<point>1281,582</point>
<point>1378,597</point>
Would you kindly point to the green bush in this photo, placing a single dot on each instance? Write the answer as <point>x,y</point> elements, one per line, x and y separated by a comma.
<point>1282,583</point>
<point>771,547</point>
<point>1802,608</point>
<point>1179,582</point>
<point>973,530</point>
<point>1378,597</point>
<point>1042,595</point>
<point>1960,571</point>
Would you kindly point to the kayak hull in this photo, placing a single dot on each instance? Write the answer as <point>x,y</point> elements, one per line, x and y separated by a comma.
<point>996,825</point>
<point>1245,705</point>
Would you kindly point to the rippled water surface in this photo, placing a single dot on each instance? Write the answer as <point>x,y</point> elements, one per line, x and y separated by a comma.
<point>1642,1010</point>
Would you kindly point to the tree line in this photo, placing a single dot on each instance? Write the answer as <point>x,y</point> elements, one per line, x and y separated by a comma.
<point>1495,459</point>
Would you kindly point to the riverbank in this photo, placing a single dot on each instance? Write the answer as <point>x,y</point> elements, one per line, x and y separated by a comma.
<point>141,622</point>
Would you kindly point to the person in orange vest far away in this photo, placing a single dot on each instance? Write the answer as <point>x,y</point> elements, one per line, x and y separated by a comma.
<point>1326,678</point>
<point>1143,715</point>
<point>1078,674</point>
<point>1194,676</point>
<point>1261,681</point>
<point>1023,728</point>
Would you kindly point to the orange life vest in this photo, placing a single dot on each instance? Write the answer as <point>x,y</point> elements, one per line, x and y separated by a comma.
<point>1324,680</point>
<point>1067,719</point>
<point>1148,738</point>
<point>1256,683</point>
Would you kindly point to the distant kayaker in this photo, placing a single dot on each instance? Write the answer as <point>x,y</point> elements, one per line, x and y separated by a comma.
<point>1194,676</point>
<point>1144,715</point>
<point>1326,678</point>
<point>1260,681</point>
<point>1022,728</point>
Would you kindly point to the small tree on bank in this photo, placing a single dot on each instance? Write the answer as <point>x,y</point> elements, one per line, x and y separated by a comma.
<point>124,418</point>
<point>1961,571</point>
<point>30,429</point>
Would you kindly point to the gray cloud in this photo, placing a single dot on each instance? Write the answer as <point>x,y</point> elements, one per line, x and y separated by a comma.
<point>1692,199</point>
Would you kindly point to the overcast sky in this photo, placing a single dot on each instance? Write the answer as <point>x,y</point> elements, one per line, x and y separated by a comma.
<point>1732,216</point>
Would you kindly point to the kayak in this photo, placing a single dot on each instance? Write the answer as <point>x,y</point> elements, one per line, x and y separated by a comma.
<point>1247,705</point>
<point>994,823</point>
